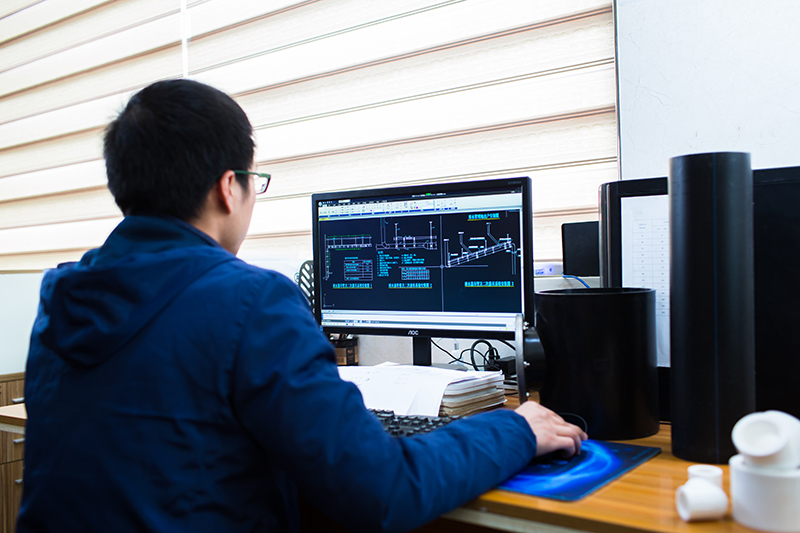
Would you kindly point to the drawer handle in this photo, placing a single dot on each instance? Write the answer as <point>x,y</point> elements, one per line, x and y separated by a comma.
<point>18,481</point>
<point>18,400</point>
<point>19,441</point>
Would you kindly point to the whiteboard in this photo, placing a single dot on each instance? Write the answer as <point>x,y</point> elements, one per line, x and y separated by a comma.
<point>707,76</point>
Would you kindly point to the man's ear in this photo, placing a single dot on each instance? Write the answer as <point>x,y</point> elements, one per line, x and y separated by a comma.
<point>224,191</point>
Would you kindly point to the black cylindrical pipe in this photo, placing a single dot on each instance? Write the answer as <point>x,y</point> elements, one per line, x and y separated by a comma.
<point>600,351</point>
<point>711,302</point>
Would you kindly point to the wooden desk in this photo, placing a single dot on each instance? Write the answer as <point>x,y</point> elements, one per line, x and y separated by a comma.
<point>12,427</point>
<point>642,500</point>
<point>12,418</point>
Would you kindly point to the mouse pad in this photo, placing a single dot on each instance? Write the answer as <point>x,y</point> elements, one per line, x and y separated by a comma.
<point>571,479</point>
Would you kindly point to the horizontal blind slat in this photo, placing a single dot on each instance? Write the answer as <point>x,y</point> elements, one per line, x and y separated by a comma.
<point>214,15</point>
<point>126,75</point>
<point>88,115</point>
<point>534,53</point>
<point>294,27</point>
<point>529,148</point>
<point>53,181</point>
<point>10,8</point>
<point>87,204</point>
<point>37,261</point>
<point>426,31</point>
<point>82,234</point>
<point>42,14</point>
<point>559,94</point>
<point>160,33</point>
<point>83,29</point>
<point>70,149</point>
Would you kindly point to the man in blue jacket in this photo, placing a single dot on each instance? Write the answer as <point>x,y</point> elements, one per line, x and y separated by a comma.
<point>173,387</point>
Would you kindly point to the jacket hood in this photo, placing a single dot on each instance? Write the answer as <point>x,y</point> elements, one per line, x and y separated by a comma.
<point>89,310</point>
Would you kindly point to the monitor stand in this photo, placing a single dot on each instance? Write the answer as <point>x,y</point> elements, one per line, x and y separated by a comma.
<point>422,351</point>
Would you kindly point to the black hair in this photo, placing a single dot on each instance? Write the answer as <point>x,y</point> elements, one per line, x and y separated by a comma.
<point>169,146</point>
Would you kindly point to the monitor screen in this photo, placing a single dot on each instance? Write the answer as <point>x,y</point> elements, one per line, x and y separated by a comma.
<point>449,260</point>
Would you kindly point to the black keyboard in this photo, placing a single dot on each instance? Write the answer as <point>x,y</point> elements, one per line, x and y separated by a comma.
<point>408,425</point>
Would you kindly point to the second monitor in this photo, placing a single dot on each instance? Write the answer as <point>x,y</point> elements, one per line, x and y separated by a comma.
<point>441,260</point>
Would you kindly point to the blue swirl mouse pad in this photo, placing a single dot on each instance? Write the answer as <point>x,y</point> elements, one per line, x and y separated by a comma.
<point>571,479</point>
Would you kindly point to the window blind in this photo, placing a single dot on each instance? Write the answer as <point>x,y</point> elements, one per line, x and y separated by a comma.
<point>342,94</point>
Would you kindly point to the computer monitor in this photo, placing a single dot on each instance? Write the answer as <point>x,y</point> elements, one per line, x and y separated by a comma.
<point>433,260</point>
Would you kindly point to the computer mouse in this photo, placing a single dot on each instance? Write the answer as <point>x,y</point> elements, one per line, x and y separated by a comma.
<point>576,420</point>
<point>558,458</point>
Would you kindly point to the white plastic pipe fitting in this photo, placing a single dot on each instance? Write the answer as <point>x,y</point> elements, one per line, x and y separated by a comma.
<point>770,439</point>
<point>765,499</point>
<point>701,499</point>
<point>765,476</point>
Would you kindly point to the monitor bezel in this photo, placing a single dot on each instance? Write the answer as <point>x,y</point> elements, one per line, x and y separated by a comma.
<point>611,195</point>
<point>477,186</point>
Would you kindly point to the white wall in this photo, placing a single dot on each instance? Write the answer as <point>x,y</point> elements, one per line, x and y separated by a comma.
<point>708,76</point>
<point>19,300</point>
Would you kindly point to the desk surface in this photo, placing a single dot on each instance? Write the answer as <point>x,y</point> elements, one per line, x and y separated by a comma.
<point>14,415</point>
<point>12,418</point>
<point>641,500</point>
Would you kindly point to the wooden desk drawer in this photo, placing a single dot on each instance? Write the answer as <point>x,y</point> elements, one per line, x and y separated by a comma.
<point>12,392</point>
<point>12,447</point>
<point>10,494</point>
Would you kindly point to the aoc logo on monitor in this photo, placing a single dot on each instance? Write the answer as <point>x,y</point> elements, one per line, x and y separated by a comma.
<point>413,332</point>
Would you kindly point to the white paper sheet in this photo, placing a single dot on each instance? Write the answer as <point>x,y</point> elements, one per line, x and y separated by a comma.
<point>645,257</point>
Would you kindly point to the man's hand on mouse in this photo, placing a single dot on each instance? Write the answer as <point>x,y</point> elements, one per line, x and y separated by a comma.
<point>552,432</point>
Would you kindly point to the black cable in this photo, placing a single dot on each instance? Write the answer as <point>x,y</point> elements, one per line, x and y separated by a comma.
<point>453,357</point>
<point>489,358</point>
<point>508,344</point>
<point>442,349</point>
<point>461,357</point>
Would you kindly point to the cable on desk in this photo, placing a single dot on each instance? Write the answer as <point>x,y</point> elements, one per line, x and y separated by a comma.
<point>453,357</point>
<point>490,357</point>
<point>508,344</point>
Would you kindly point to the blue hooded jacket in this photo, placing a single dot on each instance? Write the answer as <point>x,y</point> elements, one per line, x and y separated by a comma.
<point>172,387</point>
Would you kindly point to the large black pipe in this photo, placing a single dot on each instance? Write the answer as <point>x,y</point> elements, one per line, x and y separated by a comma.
<point>600,351</point>
<point>711,302</point>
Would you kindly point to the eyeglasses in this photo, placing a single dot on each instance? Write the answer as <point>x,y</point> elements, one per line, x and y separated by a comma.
<point>260,180</point>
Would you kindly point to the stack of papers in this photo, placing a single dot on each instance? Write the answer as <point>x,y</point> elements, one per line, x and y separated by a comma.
<point>424,390</point>
<point>474,395</point>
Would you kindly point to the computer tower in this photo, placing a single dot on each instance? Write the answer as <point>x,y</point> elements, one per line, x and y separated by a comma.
<point>581,248</point>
